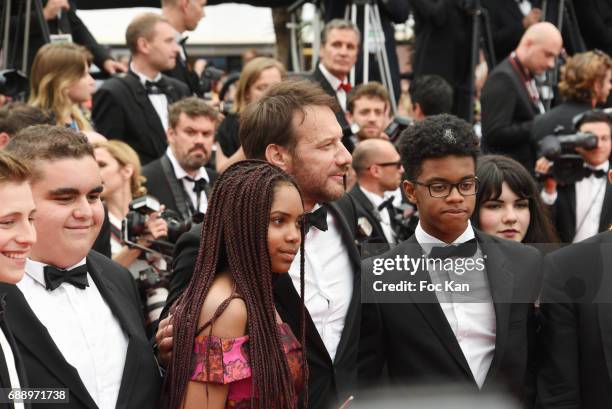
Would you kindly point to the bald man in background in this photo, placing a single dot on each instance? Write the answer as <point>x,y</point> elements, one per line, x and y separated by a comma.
<point>510,98</point>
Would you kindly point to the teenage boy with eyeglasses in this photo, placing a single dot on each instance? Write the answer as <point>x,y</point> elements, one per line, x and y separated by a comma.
<point>480,335</point>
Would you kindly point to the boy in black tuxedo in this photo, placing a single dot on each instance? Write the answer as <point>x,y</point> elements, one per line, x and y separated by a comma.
<point>76,315</point>
<point>17,235</point>
<point>479,335</point>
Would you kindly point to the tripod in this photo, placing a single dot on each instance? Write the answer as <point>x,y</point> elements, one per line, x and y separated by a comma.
<point>295,27</point>
<point>372,25</point>
<point>481,38</point>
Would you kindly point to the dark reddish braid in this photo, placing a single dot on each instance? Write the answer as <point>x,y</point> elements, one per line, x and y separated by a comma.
<point>235,236</point>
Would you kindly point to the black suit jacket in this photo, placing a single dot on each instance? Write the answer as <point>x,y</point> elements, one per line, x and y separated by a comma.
<point>564,211</point>
<point>122,110</point>
<point>416,342</point>
<point>68,23</point>
<point>561,115</point>
<point>507,116</point>
<point>329,383</point>
<point>47,368</point>
<point>595,21</point>
<point>158,186</point>
<point>183,73</point>
<point>576,333</point>
<point>366,209</point>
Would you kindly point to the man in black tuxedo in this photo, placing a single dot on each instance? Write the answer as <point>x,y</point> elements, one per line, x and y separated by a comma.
<point>179,179</point>
<point>379,171</point>
<point>585,83</point>
<point>134,108</point>
<point>576,326</point>
<point>294,127</point>
<point>76,315</point>
<point>184,15</point>
<point>340,41</point>
<point>584,208</point>
<point>61,18</point>
<point>510,99</point>
<point>480,335</point>
<point>430,95</point>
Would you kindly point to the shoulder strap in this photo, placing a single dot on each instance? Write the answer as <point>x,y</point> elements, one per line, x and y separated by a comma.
<point>218,313</point>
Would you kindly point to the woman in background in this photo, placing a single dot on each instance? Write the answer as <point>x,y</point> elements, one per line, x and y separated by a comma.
<point>257,76</point>
<point>60,83</point>
<point>508,203</point>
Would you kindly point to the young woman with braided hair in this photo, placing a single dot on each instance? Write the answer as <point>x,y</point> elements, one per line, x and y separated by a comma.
<point>231,349</point>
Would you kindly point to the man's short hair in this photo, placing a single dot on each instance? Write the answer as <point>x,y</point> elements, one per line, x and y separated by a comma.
<point>369,90</point>
<point>17,116</point>
<point>48,143</point>
<point>142,25</point>
<point>365,154</point>
<point>270,120</point>
<point>433,94</point>
<point>581,72</point>
<point>436,136</point>
<point>13,170</point>
<point>590,117</point>
<point>339,24</point>
<point>193,107</point>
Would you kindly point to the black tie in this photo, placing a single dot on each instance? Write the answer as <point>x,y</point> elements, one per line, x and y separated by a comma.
<point>317,219</point>
<point>54,277</point>
<point>467,249</point>
<point>155,87</point>
<point>199,186</point>
<point>598,173</point>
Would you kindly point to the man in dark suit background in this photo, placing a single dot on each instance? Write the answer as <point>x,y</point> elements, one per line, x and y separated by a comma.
<point>379,171</point>
<point>134,108</point>
<point>76,315</point>
<point>340,41</point>
<point>510,99</point>
<point>481,336</point>
<point>184,15</point>
<point>584,208</point>
<point>294,127</point>
<point>179,179</point>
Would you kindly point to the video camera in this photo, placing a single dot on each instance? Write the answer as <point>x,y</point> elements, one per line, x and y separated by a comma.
<point>561,149</point>
<point>134,225</point>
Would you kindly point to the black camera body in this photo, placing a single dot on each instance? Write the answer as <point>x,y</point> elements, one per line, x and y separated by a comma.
<point>561,149</point>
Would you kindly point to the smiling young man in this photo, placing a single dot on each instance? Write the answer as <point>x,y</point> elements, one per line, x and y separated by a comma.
<point>77,316</point>
<point>480,337</point>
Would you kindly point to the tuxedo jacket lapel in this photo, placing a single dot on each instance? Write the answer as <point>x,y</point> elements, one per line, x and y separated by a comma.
<point>605,220</point>
<point>368,207</point>
<point>30,332</point>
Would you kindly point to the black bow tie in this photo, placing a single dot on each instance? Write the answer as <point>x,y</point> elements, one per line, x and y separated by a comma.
<point>54,277</point>
<point>200,185</point>
<point>598,173</point>
<point>388,203</point>
<point>183,40</point>
<point>467,249</point>
<point>155,87</point>
<point>317,219</point>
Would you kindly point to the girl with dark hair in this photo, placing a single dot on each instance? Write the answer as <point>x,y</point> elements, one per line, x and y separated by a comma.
<point>231,349</point>
<point>508,204</point>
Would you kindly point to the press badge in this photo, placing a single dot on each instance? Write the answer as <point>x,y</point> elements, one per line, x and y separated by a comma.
<point>60,38</point>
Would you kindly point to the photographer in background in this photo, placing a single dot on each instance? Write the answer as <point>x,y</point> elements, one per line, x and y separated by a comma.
<point>585,83</point>
<point>430,95</point>
<point>120,171</point>
<point>584,208</point>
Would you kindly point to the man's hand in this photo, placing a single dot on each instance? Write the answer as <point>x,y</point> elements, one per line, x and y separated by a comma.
<point>113,67</point>
<point>53,8</point>
<point>543,166</point>
<point>164,340</point>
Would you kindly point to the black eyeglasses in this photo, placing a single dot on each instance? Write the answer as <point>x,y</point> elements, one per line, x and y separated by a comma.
<point>397,164</point>
<point>467,187</point>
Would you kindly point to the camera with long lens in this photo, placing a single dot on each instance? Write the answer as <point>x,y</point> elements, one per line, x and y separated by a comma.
<point>568,166</point>
<point>134,225</point>
<point>153,285</point>
<point>396,127</point>
<point>13,83</point>
<point>209,76</point>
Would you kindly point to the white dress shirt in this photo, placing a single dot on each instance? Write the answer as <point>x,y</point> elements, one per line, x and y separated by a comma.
<point>84,330</point>
<point>181,175</point>
<point>385,218</point>
<point>590,193</point>
<point>473,323</point>
<point>159,101</point>
<point>328,278</point>
<point>9,358</point>
<point>335,83</point>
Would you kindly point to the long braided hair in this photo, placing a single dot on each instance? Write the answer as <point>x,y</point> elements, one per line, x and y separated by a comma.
<point>235,237</point>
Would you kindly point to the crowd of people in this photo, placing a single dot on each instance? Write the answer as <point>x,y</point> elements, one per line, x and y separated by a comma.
<point>305,246</point>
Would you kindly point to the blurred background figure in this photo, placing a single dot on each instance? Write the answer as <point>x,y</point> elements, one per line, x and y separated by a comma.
<point>430,95</point>
<point>15,116</point>
<point>367,111</point>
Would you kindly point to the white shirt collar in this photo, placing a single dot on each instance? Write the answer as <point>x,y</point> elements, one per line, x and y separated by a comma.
<point>143,78</point>
<point>180,172</point>
<point>331,78</point>
<point>427,241</point>
<point>36,270</point>
<point>373,197</point>
<point>603,166</point>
